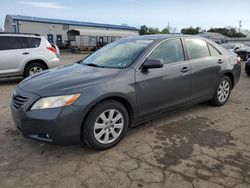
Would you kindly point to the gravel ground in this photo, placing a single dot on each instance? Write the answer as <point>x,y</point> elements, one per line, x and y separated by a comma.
<point>202,146</point>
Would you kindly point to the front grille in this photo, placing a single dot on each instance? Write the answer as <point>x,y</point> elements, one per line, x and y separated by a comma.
<point>18,101</point>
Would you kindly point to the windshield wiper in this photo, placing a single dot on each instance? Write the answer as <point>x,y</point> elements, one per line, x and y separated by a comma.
<point>93,65</point>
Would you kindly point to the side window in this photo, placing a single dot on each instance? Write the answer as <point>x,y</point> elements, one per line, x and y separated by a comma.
<point>29,42</point>
<point>197,48</point>
<point>9,43</point>
<point>169,51</point>
<point>213,50</point>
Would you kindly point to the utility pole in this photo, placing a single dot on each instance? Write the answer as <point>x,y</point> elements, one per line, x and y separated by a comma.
<point>240,25</point>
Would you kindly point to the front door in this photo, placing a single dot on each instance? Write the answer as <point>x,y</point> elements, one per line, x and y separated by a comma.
<point>166,87</point>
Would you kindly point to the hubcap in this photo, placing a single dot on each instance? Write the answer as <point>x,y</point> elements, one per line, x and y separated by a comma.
<point>35,70</point>
<point>223,91</point>
<point>108,126</point>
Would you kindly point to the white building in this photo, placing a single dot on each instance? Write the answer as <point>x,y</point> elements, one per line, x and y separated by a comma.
<point>62,31</point>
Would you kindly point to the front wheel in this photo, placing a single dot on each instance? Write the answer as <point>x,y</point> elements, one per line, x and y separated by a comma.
<point>105,125</point>
<point>222,92</point>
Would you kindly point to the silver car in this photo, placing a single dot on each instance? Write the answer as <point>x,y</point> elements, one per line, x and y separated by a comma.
<point>25,55</point>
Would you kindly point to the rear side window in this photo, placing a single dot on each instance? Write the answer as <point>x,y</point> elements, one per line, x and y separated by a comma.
<point>197,48</point>
<point>213,50</point>
<point>9,43</point>
<point>29,42</point>
<point>12,43</point>
<point>169,51</point>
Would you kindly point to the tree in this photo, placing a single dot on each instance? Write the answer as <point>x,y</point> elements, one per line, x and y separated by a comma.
<point>229,32</point>
<point>152,30</point>
<point>165,31</point>
<point>143,30</point>
<point>240,35</point>
<point>191,30</point>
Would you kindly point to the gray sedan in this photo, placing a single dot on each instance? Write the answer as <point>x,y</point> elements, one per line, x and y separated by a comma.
<point>121,85</point>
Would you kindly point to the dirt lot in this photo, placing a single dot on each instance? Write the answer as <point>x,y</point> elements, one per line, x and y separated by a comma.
<point>202,146</point>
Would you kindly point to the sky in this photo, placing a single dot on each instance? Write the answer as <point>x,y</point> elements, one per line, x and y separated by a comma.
<point>153,13</point>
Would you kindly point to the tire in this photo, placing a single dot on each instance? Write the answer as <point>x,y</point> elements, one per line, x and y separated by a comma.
<point>247,56</point>
<point>222,92</point>
<point>36,67</point>
<point>99,129</point>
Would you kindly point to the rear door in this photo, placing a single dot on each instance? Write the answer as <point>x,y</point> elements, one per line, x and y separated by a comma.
<point>206,68</point>
<point>166,87</point>
<point>12,55</point>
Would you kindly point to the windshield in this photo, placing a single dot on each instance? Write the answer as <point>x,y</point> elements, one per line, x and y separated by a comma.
<point>119,54</point>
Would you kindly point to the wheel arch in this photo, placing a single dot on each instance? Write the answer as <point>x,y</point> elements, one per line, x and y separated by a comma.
<point>35,61</point>
<point>122,100</point>
<point>231,76</point>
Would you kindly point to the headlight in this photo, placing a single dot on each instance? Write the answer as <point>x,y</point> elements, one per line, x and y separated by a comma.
<point>54,102</point>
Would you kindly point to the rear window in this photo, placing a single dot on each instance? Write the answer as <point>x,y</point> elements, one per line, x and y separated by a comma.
<point>30,42</point>
<point>213,50</point>
<point>11,43</point>
<point>197,48</point>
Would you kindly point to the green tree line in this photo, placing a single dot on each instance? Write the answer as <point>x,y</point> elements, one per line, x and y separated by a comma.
<point>229,32</point>
<point>144,30</point>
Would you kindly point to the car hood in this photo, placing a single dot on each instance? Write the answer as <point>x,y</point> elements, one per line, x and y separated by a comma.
<point>66,78</point>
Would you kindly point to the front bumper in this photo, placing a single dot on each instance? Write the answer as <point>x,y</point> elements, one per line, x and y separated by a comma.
<point>60,126</point>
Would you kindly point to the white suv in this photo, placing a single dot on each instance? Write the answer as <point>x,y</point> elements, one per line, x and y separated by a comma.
<point>25,55</point>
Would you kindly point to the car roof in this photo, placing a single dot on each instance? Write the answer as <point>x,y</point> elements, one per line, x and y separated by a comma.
<point>160,36</point>
<point>19,35</point>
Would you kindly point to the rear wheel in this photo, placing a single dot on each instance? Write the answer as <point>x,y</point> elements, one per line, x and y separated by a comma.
<point>105,125</point>
<point>33,68</point>
<point>222,92</point>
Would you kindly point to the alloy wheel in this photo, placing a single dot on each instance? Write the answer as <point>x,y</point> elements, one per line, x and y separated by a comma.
<point>108,126</point>
<point>35,70</point>
<point>223,91</point>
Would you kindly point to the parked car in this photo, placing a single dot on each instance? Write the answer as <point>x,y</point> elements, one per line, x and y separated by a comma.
<point>121,85</point>
<point>247,43</point>
<point>239,48</point>
<point>247,67</point>
<point>25,55</point>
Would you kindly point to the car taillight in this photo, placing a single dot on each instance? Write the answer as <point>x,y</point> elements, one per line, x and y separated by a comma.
<point>238,60</point>
<point>52,49</point>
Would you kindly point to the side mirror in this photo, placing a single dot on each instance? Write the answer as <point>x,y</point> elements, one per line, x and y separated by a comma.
<point>236,48</point>
<point>152,64</point>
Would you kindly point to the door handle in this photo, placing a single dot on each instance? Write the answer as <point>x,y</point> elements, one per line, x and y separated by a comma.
<point>220,61</point>
<point>185,69</point>
<point>25,53</point>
